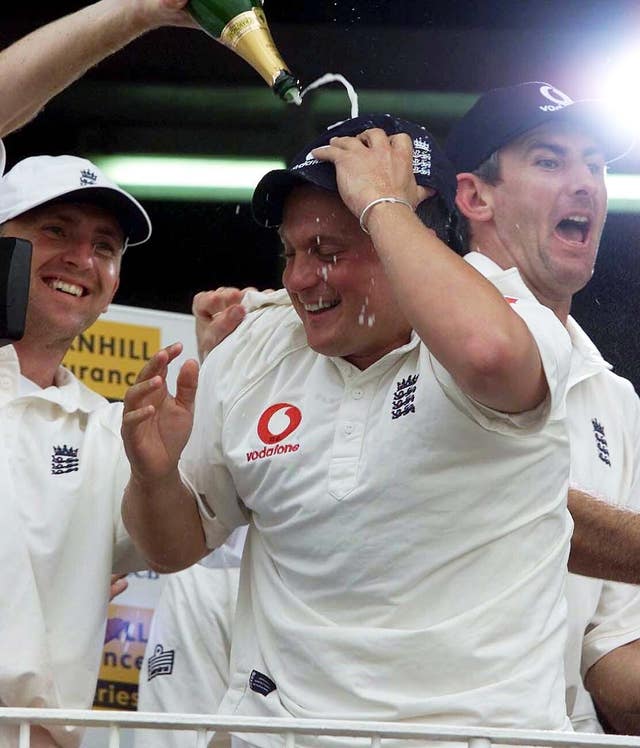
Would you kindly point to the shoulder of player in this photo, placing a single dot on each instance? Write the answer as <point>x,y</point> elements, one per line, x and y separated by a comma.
<point>263,338</point>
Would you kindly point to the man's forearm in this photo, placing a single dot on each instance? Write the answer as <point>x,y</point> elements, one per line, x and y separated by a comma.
<point>43,63</point>
<point>164,523</point>
<point>614,684</point>
<point>606,539</point>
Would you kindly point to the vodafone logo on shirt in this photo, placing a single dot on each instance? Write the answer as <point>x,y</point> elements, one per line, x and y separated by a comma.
<point>275,424</point>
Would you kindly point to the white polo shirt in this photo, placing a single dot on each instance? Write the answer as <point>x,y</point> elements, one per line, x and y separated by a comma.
<point>192,626</point>
<point>407,548</point>
<point>604,430</point>
<point>62,474</point>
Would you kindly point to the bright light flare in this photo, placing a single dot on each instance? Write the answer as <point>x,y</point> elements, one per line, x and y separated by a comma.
<point>186,178</point>
<point>229,179</point>
<point>620,89</point>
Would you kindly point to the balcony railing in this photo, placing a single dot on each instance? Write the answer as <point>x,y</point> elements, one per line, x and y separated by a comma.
<point>375,732</point>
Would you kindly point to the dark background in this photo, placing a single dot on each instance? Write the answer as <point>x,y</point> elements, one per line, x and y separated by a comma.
<point>178,91</point>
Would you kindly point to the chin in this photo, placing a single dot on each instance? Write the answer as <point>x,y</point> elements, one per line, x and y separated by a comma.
<point>573,279</point>
<point>324,349</point>
<point>327,346</point>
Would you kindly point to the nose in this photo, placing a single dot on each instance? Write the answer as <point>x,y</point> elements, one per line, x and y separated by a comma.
<point>583,181</point>
<point>79,253</point>
<point>302,271</point>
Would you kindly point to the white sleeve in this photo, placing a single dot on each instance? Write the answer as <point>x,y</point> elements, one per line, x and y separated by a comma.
<point>554,346</point>
<point>202,465</point>
<point>615,623</point>
<point>227,371</point>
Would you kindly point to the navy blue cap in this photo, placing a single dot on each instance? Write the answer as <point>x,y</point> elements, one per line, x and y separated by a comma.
<point>503,114</point>
<point>430,166</point>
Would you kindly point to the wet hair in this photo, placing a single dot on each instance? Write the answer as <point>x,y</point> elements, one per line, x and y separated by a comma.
<point>447,223</point>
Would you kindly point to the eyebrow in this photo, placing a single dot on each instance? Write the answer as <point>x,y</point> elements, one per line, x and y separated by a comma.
<point>113,231</point>
<point>560,150</point>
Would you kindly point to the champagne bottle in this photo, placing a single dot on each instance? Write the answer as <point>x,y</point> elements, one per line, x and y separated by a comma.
<point>242,26</point>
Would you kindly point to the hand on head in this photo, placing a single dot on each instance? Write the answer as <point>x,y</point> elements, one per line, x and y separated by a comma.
<point>373,165</point>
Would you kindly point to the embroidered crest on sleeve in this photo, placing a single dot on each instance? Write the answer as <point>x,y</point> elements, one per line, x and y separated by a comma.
<point>601,441</point>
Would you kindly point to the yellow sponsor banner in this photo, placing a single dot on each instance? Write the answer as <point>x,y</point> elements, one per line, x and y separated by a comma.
<point>109,355</point>
<point>126,637</point>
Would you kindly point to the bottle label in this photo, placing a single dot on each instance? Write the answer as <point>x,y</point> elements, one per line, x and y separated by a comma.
<point>243,23</point>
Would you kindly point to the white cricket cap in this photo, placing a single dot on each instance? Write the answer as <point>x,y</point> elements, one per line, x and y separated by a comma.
<point>38,180</point>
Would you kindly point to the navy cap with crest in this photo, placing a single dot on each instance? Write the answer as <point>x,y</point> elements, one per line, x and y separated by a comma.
<point>430,166</point>
<point>504,114</point>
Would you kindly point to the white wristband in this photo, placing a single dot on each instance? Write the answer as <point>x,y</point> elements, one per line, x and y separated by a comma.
<point>381,200</point>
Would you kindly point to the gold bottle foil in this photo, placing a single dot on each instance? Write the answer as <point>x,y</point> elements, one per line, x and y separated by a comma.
<point>249,37</point>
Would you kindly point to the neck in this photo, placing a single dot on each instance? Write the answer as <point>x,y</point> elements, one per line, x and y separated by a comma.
<point>560,306</point>
<point>38,363</point>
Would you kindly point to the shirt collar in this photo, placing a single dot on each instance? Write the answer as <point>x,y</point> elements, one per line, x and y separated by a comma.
<point>71,394</point>
<point>510,279</point>
<point>586,359</point>
<point>67,391</point>
<point>351,372</point>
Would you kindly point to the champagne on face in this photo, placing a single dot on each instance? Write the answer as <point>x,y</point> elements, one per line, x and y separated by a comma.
<point>242,26</point>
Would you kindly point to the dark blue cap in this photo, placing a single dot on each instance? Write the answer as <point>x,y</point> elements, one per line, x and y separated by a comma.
<point>430,166</point>
<point>504,114</point>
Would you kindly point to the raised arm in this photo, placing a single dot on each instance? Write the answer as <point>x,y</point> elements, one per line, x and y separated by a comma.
<point>158,509</point>
<point>461,317</point>
<point>46,61</point>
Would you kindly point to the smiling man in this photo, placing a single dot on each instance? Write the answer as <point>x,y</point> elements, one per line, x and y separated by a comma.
<point>531,166</point>
<point>391,429</point>
<point>62,469</point>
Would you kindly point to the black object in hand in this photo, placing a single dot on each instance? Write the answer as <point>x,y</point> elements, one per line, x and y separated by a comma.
<point>15,267</point>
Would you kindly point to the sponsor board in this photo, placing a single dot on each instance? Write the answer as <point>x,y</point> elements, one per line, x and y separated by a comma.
<point>108,356</point>
<point>125,640</point>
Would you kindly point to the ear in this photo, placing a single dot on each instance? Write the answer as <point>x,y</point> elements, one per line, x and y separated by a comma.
<point>474,197</point>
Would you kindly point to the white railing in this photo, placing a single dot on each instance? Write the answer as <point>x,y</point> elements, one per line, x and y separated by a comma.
<point>475,737</point>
